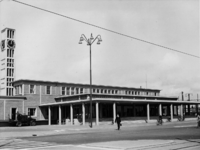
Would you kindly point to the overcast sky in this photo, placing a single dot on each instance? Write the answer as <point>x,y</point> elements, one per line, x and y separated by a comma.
<point>47,45</point>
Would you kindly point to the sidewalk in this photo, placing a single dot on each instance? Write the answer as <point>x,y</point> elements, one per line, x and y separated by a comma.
<point>9,134</point>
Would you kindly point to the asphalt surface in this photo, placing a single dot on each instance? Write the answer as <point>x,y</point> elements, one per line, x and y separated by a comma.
<point>168,131</point>
<point>171,135</point>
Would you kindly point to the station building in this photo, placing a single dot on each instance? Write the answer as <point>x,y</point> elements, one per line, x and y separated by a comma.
<point>69,103</point>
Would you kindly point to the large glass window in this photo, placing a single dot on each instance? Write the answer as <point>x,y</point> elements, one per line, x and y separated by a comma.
<point>32,89</point>
<point>32,112</point>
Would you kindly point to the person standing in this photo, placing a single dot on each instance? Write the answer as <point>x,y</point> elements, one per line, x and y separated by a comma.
<point>118,121</point>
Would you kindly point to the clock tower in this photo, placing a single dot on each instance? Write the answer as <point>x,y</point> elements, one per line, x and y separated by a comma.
<point>7,62</point>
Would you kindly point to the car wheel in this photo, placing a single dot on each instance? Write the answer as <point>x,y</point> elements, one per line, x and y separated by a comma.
<point>19,124</point>
<point>33,123</point>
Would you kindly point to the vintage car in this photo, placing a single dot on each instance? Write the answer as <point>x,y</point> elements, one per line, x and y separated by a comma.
<point>25,120</point>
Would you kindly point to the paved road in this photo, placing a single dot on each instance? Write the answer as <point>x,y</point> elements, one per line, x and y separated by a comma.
<point>177,135</point>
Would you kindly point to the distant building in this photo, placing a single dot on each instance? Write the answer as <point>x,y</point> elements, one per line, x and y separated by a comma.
<point>69,103</point>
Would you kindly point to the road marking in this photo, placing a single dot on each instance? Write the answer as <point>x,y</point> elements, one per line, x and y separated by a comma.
<point>184,126</point>
<point>62,130</point>
<point>95,147</point>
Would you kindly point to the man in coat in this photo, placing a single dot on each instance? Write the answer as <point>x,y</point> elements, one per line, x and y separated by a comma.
<point>118,120</point>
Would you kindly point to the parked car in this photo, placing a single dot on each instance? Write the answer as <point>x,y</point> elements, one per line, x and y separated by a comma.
<point>25,120</point>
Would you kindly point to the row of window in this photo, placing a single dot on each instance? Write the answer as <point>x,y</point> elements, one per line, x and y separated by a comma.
<point>48,89</point>
<point>9,81</point>
<point>10,53</point>
<point>77,90</point>
<point>10,72</point>
<point>9,91</point>
<point>10,34</point>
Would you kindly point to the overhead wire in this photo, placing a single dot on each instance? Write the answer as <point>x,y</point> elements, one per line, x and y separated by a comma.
<point>107,29</point>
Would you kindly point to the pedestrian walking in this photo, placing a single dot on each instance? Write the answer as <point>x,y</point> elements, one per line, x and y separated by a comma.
<point>118,121</point>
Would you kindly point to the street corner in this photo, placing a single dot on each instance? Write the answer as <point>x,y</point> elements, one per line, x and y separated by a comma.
<point>5,141</point>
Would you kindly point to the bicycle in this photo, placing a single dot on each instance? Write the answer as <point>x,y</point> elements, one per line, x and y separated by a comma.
<point>159,122</point>
<point>181,118</point>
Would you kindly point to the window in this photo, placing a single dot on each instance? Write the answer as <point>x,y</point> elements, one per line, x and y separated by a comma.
<point>32,112</point>
<point>68,90</point>
<point>63,90</point>
<point>48,89</point>
<point>105,91</point>
<point>77,90</point>
<point>72,91</point>
<point>32,89</point>
<point>102,91</point>
<point>81,90</point>
<point>18,89</point>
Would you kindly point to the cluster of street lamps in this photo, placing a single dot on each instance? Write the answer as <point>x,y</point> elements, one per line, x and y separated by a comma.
<point>89,42</point>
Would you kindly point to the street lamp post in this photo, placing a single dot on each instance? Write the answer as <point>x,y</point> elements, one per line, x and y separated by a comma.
<point>89,42</point>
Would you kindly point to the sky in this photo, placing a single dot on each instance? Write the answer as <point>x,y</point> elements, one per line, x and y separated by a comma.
<point>47,44</point>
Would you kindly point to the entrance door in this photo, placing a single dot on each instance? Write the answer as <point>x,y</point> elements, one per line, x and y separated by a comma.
<point>13,113</point>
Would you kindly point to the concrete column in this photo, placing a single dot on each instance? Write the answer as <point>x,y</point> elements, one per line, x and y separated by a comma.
<point>148,114</point>
<point>59,114</point>
<point>160,109</point>
<point>23,107</point>
<point>97,113</point>
<point>114,112</point>
<point>181,110</point>
<point>171,110</point>
<point>71,114</point>
<point>83,113</point>
<point>49,109</point>
<point>100,110</point>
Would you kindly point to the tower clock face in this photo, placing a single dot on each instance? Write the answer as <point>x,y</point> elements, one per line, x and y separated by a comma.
<point>11,44</point>
<point>2,44</point>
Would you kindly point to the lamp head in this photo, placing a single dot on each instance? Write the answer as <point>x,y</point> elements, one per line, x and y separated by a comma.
<point>99,38</point>
<point>91,38</point>
<point>81,39</point>
<point>98,42</point>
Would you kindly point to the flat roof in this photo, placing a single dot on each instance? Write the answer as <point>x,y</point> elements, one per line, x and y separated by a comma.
<point>120,101</point>
<point>117,95</point>
<point>83,85</point>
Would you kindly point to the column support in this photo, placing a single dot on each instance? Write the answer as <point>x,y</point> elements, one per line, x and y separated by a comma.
<point>49,109</point>
<point>71,114</point>
<point>97,113</point>
<point>181,113</point>
<point>59,113</point>
<point>114,112</point>
<point>148,114</point>
<point>171,110</point>
<point>160,109</point>
<point>83,113</point>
